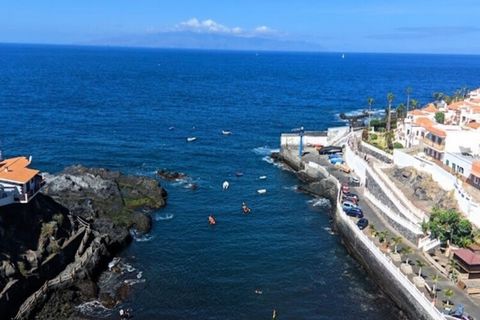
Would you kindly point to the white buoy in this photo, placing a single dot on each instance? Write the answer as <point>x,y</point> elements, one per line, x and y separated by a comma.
<point>262,191</point>
<point>262,177</point>
<point>225,185</point>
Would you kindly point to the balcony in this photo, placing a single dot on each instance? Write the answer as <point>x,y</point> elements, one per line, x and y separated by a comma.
<point>437,146</point>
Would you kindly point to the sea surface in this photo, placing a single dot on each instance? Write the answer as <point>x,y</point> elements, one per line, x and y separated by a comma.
<point>113,107</point>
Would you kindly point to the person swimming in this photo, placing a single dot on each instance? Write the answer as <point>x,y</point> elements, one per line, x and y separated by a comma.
<point>211,219</point>
<point>245,208</point>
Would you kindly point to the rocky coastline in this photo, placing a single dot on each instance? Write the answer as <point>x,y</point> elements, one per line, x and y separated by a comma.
<point>53,249</point>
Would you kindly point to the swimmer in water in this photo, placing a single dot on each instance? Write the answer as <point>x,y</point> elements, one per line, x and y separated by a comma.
<point>211,220</point>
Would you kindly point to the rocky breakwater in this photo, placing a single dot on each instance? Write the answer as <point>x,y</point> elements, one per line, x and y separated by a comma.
<point>91,210</point>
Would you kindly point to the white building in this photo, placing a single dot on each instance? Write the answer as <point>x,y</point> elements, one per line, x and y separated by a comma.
<point>18,183</point>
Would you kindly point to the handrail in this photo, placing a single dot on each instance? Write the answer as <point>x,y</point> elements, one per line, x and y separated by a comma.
<point>403,279</point>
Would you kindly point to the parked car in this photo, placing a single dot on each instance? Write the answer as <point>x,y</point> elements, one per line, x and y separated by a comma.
<point>336,161</point>
<point>350,199</point>
<point>355,180</point>
<point>330,150</point>
<point>348,205</point>
<point>362,223</point>
<point>351,195</point>
<point>343,167</point>
<point>354,212</point>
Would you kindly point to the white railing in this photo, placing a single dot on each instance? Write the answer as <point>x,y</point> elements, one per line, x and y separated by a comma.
<point>420,297</point>
<point>376,150</point>
<point>414,228</point>
<point>399,194</point>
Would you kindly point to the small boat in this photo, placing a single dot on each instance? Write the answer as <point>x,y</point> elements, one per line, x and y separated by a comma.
<point>225,185</point>
<point>239,174</point>
<point>262,177</point>
<point>226,133</point>
<point>261,191</point>
<point>212,220</point>
<point>191,139</point>
<point>171,128</point>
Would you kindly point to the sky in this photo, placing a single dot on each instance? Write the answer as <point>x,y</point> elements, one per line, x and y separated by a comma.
<point>408,26</point>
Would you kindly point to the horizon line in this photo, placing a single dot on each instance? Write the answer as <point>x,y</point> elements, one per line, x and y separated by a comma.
<point>229,50</point>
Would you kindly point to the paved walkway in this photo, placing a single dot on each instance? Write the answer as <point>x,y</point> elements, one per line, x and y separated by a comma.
<point>375,218</point>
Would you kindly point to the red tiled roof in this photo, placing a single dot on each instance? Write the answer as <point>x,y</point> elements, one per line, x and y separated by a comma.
<point>476,168</point>
<point>417,112</point>
<point>15,170</point>
<point>430,108</point>
<point>474,125</point>
<point>437,131</point>
<point>468,256</point>
<point>455,105</point>
<point>424,122</point>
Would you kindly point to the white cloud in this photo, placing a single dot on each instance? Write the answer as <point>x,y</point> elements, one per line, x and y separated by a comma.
<point>211,26</point>
<point>264,30</point>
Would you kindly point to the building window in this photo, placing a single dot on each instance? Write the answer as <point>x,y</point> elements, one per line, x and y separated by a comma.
<point>447,162</point>
<point>460,169</point>
<point>408,131</point>
<point>454,167</point>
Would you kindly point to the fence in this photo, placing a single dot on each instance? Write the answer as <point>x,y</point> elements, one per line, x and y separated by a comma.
<point>426,304</point>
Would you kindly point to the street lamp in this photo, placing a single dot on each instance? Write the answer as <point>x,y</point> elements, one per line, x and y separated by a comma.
<point>301,132</point>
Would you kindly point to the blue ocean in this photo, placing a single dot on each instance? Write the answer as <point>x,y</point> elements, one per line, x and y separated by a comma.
<point>132,110</point>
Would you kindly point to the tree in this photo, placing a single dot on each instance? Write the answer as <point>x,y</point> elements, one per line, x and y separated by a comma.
<point>382,236</point>
<point>435,279</point>
<point>408,91</point>
<point>447,225</point>
<point>438,96</point>
<point>448,294</point>
<point>414,103</point>
<point>407,251</point>
<point>373,231</point>
<point>389,135</point>
<point>370,102</point>
<point>390,98</point>
<point>440,117</point>
<point>452,266</point>
<point>396,241</point>
<point>401,111</point>
<point>420,265</point>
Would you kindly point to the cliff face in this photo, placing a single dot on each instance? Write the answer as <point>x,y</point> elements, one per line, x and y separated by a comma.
<point>78,209</point>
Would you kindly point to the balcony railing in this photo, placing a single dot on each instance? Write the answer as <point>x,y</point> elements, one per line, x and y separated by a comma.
<point>434,145</point>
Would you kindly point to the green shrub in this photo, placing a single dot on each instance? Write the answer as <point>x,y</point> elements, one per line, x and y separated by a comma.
<point>397,145</point>
<point>373,136</point>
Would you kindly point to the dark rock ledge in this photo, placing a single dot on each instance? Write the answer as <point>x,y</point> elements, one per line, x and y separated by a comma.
<point>54,248</point>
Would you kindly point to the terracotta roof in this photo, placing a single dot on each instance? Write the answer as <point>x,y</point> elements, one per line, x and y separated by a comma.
<point>417,112</point>
<point>437,131</point>
<point>455,105</point>
<point>424,122</point>
<point>476,168</point>
<point>430,108</point>
<point>474,125</point>
<point>15,170</point>
<point>475,109</point>
<point>468,256</point>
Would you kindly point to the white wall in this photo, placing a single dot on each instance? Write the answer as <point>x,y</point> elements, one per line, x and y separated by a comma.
<point>463,138</point>
<point>293,140</point>
<point>445,180</point>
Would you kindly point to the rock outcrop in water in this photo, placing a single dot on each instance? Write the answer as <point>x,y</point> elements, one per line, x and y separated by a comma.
<point>73,229</point>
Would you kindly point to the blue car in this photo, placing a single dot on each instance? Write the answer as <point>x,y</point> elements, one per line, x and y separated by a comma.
<point>354,212</point>
<point>362,223</point>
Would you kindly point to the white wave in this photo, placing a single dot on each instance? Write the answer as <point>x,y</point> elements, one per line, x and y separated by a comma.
<point>292,188</point>
<point>329,230</point>
<point>264,151</point>
<point>140,237</point>
<point>168,216</point>
<point>131,282</point>
<point>268,159</point>
<point>319,202</point>
<point>94,309</point>
<point>139,275</point>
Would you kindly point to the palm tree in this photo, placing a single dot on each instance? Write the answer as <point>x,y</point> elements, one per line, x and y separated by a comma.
<point>420,265</point>
<point>390,98</point>
<point>448,294</point>
<point>370,102</point>
<point>407,251</point>
<point>435,279</point>
<point>382,236</point>
<point>396,241</point>
<point>452,266</point>
<point>408,91</point>
<point>414,103</point>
